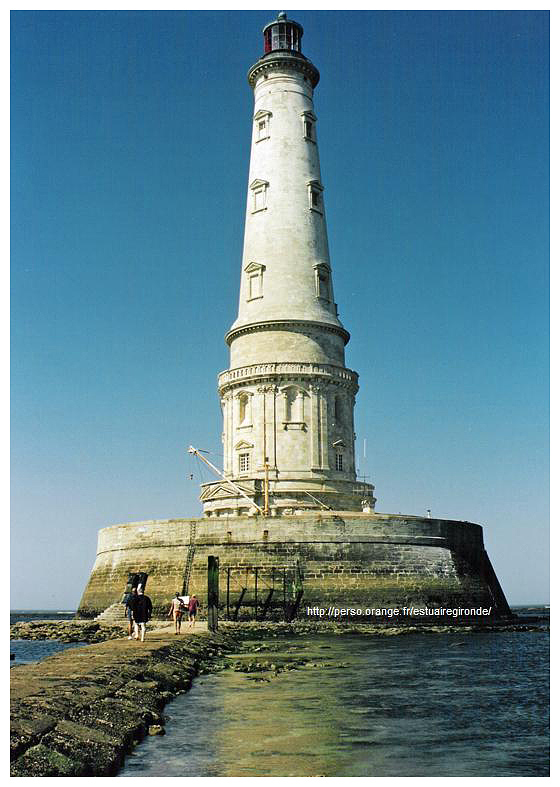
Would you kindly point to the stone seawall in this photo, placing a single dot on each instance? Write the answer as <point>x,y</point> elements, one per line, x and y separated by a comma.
<point>337,558</point>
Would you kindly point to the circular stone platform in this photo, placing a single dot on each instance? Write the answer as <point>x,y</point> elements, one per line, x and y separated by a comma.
<point>338,560</point>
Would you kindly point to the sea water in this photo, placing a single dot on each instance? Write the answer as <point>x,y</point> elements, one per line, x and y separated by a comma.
<point>420,704</point>
<point>449,704</point>
<point>27,651</point>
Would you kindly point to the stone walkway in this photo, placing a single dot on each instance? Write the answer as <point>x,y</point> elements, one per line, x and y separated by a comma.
<point>78,712</point>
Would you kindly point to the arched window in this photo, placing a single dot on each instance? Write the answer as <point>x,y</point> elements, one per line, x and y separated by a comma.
<point>244,409</point>
<point>294,407</point>
<point>291,396</point>
<point>243,405</point>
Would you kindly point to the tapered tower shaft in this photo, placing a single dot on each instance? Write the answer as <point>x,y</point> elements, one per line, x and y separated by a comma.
<point>287,397</point>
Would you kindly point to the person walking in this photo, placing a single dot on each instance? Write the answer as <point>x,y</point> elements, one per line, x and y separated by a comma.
<point>128,611</point>
<point>141,612</point>
<point>176,610</point>
<point>194,604</point>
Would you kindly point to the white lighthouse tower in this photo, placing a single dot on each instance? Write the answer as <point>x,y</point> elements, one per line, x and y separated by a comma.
<point>287,397</point>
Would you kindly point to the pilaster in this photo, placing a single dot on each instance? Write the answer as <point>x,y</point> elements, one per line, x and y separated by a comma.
<point>324,425</point>
<point>266,445</point>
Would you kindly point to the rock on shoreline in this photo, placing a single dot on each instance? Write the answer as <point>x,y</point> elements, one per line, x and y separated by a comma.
<point>252,629</point>
<point>67,631</point>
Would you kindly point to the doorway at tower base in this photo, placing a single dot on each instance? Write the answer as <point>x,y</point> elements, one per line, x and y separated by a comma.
<point>344,560</point>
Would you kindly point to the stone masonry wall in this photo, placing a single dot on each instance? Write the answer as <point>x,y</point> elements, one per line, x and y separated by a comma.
<point>345,559</point>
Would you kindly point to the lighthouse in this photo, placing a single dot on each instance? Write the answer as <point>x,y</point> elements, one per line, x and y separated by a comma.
<point>288,517</point>
<point>287,397</point>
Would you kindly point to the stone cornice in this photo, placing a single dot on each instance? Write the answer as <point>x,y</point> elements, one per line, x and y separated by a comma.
<point>276,61</point>
<point>279,325</point>
<point>319,372</point>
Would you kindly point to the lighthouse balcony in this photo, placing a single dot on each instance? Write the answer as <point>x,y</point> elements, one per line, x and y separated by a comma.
<point>286,369</point>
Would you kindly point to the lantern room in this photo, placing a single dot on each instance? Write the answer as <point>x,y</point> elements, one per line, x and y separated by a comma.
<point>283,33</point>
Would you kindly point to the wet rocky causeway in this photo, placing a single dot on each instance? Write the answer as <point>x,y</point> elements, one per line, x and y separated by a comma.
<point>79,712</point>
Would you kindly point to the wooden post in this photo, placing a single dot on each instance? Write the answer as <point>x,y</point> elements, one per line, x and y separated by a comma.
<point>213,592</point>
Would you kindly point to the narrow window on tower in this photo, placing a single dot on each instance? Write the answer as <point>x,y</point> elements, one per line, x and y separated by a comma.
<point>323,287</point>
<point>244,451</point>
<point>262,124</point>
<point>255,276</point>
<point>309,121</point>
<point>260,201</point>
<point>315,196</point>
<point>339,455</point>
<point>254,286</point>
<point>259,190</point>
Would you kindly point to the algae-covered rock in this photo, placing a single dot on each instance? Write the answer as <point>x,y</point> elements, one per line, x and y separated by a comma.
<point>67,631</point>
<point>96,750</point>
<point>26,730</point>
<point>40,760</point>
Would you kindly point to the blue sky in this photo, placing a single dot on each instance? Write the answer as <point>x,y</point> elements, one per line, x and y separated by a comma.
<point>130,136</point>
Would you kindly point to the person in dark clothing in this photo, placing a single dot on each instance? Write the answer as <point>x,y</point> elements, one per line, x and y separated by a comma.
<point>141,612</point>
<point>194,604</point>
<point>128,611</point>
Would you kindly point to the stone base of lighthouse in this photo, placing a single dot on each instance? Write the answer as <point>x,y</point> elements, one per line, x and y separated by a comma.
<point>340,560</point>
